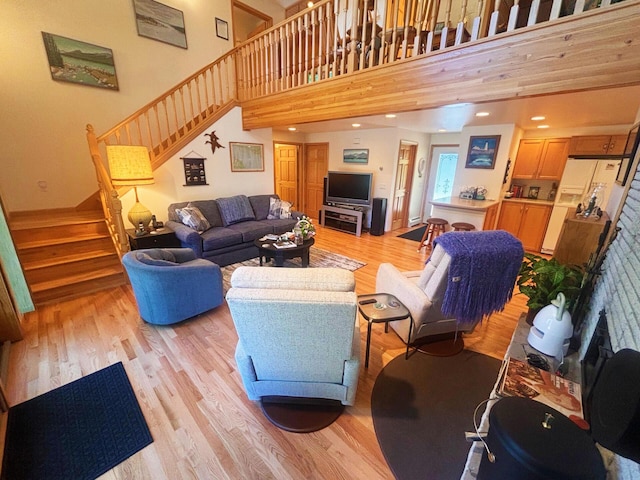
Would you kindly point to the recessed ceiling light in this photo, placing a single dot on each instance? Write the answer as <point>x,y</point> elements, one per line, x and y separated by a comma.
<point>442,130</point>
<point>482,114</point>
<point>538,118</point>
<point>355,125</point>
<point>309,4</point>
<point>543,126</point>
<point>292,129</point>
<point>390,115</point>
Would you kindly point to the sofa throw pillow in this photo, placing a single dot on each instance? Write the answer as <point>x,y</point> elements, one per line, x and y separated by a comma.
<point>209,209</point>
<point>156,262</point>
<point>279,209</point>
<point>285,209</point>
<point>193,217</point>
<point>274,208</point>
<point>235,209</point>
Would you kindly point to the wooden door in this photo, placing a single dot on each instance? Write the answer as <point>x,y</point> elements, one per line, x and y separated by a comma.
<point>402,186</point>
<point>554,158</point>
<point>534,226</point>
<point>316,164</point>
<point>528,159</point>
<point>286,173</point>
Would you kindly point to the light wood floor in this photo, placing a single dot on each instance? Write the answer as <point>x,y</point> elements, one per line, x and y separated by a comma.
<point>191,394</point>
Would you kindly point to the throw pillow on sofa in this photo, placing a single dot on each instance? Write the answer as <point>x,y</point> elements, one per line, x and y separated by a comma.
<point>193,217</point>
<point>235,209</point>
<point>279,209</point>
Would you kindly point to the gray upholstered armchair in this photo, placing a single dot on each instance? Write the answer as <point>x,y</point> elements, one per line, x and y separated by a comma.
<point>298,333</point>
<point>171,284</point>
<point>468,276</point>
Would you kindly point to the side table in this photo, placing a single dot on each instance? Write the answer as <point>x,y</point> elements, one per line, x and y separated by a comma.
<point>162,238</point>
<point>386,308</point>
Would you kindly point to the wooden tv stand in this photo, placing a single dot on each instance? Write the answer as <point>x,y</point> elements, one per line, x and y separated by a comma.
<point>343,219</point>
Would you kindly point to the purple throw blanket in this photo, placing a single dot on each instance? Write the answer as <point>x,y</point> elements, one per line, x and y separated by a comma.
<point>482,274</point>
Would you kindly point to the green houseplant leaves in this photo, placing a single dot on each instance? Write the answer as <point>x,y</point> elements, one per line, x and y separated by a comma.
<point>541,280</point>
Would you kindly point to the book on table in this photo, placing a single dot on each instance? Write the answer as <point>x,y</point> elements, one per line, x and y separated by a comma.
<point>523,380</point>
<point>284,244</point>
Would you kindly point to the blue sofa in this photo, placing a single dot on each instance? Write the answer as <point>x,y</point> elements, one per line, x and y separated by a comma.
<point>235,223</point>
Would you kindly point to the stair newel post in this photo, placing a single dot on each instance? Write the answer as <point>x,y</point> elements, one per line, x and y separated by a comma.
<point>111,204</point>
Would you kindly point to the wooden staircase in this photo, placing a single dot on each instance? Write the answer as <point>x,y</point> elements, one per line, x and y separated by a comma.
<point>65,253</point>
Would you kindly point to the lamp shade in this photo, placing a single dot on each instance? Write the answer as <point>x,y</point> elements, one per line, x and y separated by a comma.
<point>129,165</point>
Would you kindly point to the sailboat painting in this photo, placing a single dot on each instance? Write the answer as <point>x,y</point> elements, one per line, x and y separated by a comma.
<point>482,152</point>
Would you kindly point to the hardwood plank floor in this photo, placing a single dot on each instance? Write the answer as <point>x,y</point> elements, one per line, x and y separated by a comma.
<point>191,394</point>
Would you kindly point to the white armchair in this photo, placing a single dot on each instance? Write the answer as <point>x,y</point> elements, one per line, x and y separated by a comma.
<point>298,333</point>
<point>478,268</point>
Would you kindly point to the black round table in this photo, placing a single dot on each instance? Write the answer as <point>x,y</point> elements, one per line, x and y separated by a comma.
<point>267,250</point>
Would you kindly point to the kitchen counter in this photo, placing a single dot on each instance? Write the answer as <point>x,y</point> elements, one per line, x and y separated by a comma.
<point>462,203</point>
<point>475,212</point>
<point>529,200</point>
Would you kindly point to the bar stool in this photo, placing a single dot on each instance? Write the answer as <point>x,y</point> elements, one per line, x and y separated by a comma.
<point>462,227</point>
<point>435,226</point>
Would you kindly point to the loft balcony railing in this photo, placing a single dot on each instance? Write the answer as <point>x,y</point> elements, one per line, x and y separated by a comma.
<point>334,38</point>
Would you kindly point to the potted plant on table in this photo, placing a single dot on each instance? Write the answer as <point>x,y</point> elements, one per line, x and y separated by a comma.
<point>541,279</point>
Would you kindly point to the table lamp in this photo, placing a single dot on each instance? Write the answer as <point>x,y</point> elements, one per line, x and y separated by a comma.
<point>130,165</point>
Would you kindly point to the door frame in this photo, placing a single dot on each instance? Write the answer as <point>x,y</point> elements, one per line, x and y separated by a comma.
<point>409,181</point>
<point>427,181</point>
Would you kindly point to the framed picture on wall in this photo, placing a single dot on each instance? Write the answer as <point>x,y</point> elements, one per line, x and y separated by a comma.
<point>355,155</point>
<point>482,151</point>
<point>80,62</point>
<point>246,157</point>
<point>160,22</point>
<point>222,29</point>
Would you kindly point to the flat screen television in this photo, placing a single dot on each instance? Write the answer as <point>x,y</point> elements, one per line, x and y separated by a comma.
<point>349,188</point>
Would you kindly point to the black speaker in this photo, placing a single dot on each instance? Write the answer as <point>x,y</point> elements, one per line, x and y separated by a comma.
<point>324,191</point>
<point>378,216</point>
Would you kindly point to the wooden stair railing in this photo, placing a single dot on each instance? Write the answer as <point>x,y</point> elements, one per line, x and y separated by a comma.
<point>164,125</point>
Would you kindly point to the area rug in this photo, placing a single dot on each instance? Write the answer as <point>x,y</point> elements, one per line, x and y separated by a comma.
<point>421,408</point>
<point>415,235</point>
<point>317,258</point>
<point>80,430</point>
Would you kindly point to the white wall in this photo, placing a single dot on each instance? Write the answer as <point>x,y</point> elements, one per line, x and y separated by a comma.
<point>42,130</point>
<point>383,145</point>
<point>169,186</point>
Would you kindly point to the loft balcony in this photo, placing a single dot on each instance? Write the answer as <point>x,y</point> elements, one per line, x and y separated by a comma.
<point>353,58</point>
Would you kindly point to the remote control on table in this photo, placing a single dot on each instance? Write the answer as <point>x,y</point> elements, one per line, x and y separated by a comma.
<point>368,301</point>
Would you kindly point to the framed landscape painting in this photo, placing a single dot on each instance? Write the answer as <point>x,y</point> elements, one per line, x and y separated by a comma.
<point>246,157</point>
<point>80,62</point>
<point>355,155</point>
<point>482,152</point>
<point>160,22</point>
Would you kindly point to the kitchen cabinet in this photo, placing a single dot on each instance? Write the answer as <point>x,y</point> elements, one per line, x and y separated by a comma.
<point>490,217</point>
<point>525,220</point>
<point>579,238</point>
<point>597,145</point>
<point>541,158</point>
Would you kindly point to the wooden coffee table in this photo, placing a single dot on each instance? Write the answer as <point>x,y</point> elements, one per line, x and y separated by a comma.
<point>268,251</point>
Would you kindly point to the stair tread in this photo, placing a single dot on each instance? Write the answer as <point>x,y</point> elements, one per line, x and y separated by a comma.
<point>28,220</point>
<point>77,278</point>
<point>60,241</point>
<point>69,258</point>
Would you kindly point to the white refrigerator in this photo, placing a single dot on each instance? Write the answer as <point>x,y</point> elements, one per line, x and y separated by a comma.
<point>578,180</point>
